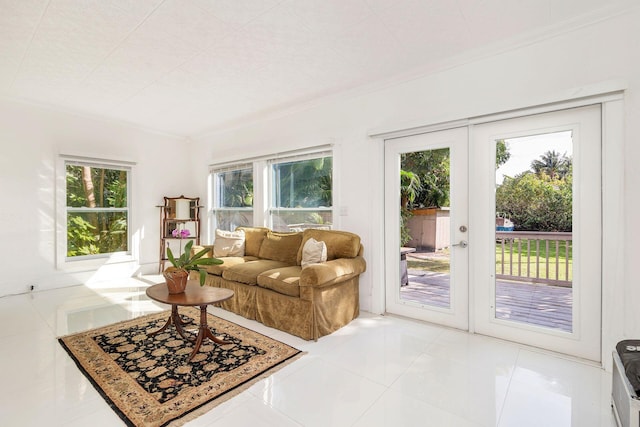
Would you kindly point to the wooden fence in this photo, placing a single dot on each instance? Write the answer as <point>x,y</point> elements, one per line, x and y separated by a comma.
<point>535,257</point>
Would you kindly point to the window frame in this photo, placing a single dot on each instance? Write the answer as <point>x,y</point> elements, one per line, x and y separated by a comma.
<point>86,262</point>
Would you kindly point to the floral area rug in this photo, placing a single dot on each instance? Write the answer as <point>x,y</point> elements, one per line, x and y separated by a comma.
<point>148,381</point>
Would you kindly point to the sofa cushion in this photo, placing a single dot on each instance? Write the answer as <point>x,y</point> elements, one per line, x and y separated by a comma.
<point>227,262</point>
<point>229,243</point>
<point>283,280</point>
<point>340,244</point>
<point>253,239</point>
<point>248,272</point>
<point>313,252</point>
<point>331,272</point>
<point>281,247</point>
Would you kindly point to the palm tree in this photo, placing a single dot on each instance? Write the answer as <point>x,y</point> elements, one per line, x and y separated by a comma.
<point>409,188</point>
<point>553,164</point>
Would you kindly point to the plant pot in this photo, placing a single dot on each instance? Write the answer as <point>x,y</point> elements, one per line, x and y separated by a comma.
<point>176,280</point>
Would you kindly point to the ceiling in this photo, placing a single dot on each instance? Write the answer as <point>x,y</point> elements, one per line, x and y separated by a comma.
<point>187,67</point>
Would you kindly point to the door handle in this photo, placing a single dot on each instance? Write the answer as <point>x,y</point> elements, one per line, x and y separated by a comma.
<point>463,244</point>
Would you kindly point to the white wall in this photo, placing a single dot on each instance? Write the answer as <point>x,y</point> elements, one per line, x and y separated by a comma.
<point>31,140</point>
<point>549,70</point>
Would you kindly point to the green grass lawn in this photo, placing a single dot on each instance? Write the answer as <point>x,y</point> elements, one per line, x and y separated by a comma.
<point>527,260</point>
<point>436,265</point>
<point>523,259</point>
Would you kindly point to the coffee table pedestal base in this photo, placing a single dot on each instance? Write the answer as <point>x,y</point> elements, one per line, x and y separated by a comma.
<point>204,332</point>
<point>176,320</point>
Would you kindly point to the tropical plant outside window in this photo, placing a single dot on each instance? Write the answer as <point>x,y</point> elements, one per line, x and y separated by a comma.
<point>540,198</point>
<point>97,209</point>
<point>301,194</point>
<point>425,181</point>
<point>233,201</point>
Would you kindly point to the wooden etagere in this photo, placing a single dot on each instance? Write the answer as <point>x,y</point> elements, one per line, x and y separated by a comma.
<point>181,213</point>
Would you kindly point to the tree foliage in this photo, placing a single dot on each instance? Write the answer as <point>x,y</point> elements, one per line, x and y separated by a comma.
<point>502,153</point>
<point>537,202</point>
<point>304,184</point>
<point>237,188</point>
<point>553,164</point>
<point>410,186</point>
<point>432,167</point>
<point>96,230</point>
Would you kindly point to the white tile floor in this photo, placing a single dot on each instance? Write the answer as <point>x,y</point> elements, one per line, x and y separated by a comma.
<point>377,371</point>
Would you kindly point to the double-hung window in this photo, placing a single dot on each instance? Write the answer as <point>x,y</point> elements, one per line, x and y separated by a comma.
<point>232,196</point>
<point>288,192</point>
<point>97,209</point>
<point>300,192</point>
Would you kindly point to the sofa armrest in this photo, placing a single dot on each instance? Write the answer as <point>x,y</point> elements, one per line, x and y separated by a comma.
<point>332,272</point>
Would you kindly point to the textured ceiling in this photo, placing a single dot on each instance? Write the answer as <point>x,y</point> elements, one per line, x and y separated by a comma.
<point>190,66</point>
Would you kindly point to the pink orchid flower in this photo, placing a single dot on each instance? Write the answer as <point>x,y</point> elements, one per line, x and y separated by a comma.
<point>180,233</point>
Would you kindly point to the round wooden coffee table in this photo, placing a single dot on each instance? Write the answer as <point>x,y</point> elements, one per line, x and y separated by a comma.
<point>194,295</point>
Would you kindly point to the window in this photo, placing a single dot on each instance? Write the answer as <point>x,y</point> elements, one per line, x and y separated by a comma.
<point>285,192</point>
<point>301,192</point>
<point>97,209</point>
<point>233,197</point>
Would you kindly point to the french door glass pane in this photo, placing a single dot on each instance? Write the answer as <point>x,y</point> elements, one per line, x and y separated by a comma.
<point>425,262</point>
<point>534,259</point>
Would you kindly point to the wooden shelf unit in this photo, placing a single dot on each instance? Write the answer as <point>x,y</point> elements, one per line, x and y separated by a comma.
<point>178,213</point>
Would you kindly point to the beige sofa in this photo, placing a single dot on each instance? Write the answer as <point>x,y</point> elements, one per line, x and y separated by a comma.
<point>273,288</point>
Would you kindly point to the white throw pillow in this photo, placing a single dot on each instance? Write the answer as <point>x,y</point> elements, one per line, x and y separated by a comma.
<point>228,243</point>
<point>313,252</point>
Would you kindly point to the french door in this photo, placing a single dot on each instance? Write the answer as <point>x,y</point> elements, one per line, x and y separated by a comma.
<point>439,292</point>
<point>553,268</point>
<point>498,263</point>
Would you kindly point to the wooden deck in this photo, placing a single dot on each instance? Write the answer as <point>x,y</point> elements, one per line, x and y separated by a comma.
<point>534,304</point>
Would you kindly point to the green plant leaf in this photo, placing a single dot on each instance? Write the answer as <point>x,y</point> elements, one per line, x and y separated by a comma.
<point>203,274</point>
<point>207,261</point>
<point>172,259</point>
<point>200,254</point>
<point>184,258</point>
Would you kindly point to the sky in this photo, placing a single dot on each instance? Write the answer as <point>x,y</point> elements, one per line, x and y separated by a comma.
<point>528,148</point>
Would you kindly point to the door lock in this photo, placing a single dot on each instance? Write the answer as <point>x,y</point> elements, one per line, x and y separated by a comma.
<point>463,228</point>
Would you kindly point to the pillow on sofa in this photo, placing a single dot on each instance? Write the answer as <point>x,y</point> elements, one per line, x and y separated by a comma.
<point>340,244</point>
<point>228,243</point>
<point>253,239</point>
<point>281,247</point>
<point>313,252</point>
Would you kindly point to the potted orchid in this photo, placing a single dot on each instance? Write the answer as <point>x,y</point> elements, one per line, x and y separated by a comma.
<point>176,276</point>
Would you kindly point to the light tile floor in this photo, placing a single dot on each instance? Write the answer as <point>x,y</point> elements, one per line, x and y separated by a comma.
<point>376,371</point>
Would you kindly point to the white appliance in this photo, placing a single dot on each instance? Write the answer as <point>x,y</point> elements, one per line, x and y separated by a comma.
<point>625,401</point>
